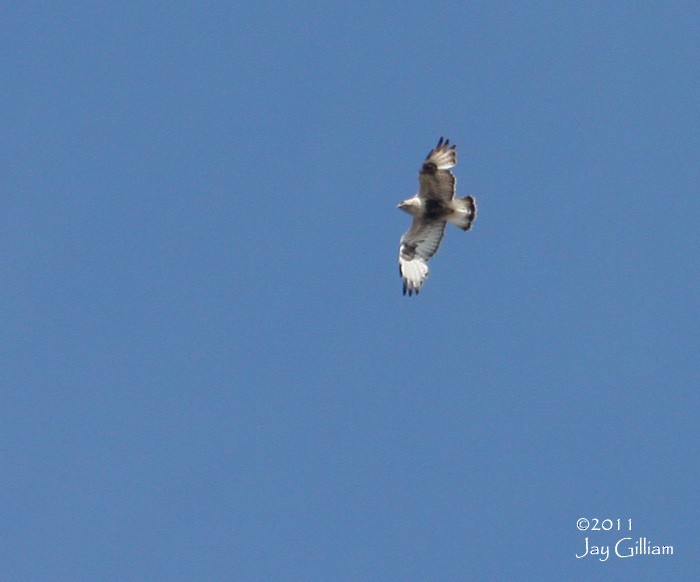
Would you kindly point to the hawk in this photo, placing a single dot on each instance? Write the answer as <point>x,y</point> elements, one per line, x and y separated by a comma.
<point>432,208</point>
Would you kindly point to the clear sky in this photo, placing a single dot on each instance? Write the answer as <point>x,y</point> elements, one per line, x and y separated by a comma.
<point>209,371</point>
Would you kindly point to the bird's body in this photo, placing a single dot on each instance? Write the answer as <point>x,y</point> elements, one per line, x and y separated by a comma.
<point>432,208</point>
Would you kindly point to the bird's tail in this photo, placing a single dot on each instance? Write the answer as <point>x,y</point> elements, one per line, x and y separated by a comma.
<point>464,212</point>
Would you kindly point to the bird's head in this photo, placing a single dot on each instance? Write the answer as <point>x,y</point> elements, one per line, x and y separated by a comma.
<point>412,206</point>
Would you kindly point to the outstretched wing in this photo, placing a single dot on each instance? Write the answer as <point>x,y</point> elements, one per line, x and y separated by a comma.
<point>436,180</point>
<point>418,244</point>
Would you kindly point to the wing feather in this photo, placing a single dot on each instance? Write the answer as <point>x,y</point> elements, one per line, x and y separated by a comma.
<point>418,244</point>
<point>435,179</point>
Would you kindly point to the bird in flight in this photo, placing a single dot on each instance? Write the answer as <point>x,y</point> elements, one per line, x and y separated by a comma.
<point>432,208</point>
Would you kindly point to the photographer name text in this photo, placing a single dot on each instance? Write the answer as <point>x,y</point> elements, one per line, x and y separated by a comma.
<point>624,548</point>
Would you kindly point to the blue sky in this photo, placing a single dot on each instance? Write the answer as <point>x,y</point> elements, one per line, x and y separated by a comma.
<point>209,371</point>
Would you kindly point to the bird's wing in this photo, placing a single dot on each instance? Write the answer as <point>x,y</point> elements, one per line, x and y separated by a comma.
<point>436,180</point>
<point>418,244</point>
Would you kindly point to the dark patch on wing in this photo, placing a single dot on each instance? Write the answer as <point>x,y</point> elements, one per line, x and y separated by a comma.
<point>408,250</point>
<point>428,168</point>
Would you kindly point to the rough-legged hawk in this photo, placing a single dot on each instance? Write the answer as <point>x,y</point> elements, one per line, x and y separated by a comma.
<point>432,208</point>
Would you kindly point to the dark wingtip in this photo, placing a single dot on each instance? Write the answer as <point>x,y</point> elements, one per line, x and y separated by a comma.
<point>444,144</point>
<point>409,290</point>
